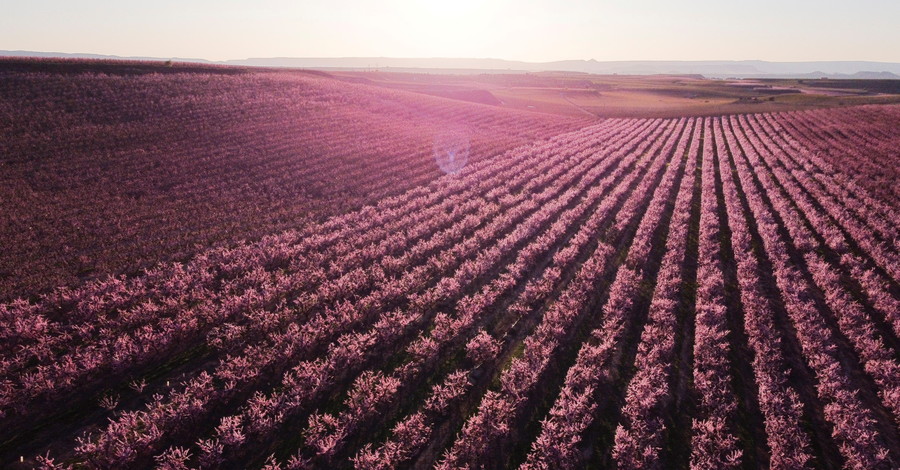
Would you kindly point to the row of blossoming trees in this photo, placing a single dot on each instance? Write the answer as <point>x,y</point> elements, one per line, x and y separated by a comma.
<point>695,292</point>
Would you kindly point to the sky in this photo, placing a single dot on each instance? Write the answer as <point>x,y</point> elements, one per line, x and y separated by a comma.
<point>528,30</point>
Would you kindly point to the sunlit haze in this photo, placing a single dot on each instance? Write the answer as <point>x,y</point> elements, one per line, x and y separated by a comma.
<point>530,30</point>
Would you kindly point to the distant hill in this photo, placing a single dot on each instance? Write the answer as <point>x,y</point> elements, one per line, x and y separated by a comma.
<point>79,55</point>
<point>716,69</point>
<point>708,68</point>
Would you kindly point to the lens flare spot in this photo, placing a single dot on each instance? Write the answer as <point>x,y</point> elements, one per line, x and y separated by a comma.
<point>451,150</point>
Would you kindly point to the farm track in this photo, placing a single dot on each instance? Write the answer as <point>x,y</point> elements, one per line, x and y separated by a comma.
<point>659,293</point>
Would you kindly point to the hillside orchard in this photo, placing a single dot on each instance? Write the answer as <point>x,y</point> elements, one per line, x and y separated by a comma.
<point>695,292</point>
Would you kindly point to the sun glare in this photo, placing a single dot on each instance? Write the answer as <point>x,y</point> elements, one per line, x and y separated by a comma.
<point>448,10</point>
<point>452,28</point>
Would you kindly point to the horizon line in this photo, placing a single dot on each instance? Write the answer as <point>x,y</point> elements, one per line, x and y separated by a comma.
<point>160,57</point>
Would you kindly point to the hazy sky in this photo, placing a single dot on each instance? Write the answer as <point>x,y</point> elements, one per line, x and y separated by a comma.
<point>532,30</point>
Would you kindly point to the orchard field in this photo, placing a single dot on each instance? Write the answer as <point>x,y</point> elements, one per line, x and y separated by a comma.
<point>112,167</point>
<point>688,292</point>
